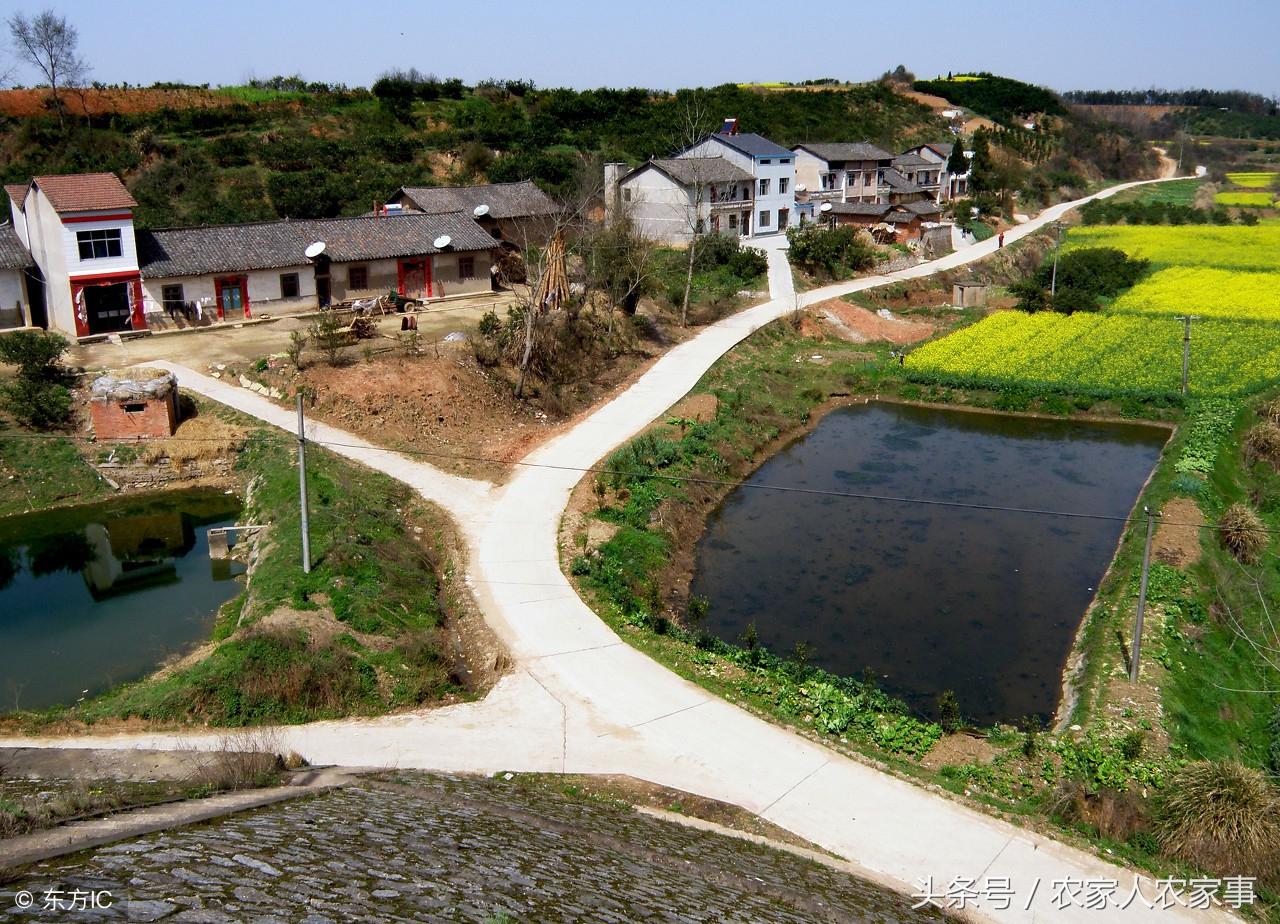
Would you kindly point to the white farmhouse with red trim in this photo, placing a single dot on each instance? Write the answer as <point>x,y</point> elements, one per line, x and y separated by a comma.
<point>94,275</point>
<point>79,231</point>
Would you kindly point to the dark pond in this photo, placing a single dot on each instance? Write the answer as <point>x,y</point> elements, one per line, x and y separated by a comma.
<point>94,596</point>
<point>931,598</point>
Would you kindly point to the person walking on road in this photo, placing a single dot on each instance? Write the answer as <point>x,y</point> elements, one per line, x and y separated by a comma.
<point>1001,239</point>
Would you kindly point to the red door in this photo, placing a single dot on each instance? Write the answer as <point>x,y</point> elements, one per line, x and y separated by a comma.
<point>415,278</point>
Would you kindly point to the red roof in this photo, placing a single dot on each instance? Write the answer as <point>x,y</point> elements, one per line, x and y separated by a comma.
<point>17,192</point>
<point>85,192</point>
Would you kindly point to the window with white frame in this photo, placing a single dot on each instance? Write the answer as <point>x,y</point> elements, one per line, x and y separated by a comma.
<point>764,187</point>
<point>851,178</point>
<point>99,244</point>
<point>828,181</point>
<point>782,184</point>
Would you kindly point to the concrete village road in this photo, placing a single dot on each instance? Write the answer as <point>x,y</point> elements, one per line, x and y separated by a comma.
<point>580,700</point>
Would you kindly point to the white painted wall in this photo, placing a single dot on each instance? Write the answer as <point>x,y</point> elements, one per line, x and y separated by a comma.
<point>657,206</point>
<point>775,169</point>
<point>13,299</point>
<point>47,246</point>
<point>127,262</point>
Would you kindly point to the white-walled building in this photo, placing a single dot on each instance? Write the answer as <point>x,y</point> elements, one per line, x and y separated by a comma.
<point>741,184</point>
<point>79,232</point>
<point>93,274</point>
<point>199,276</point>
<point>771,166</point>
<point>947,185</point>
<point>15,264</point>
<point>843,171</point>
<point>667,199</point>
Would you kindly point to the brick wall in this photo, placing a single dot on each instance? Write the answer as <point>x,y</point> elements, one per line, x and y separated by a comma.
<point>156,418</point>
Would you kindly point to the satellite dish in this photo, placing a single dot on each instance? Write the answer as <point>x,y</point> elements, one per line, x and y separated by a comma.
<point>480,210</point>
<point>800,187</point>
<point>443,241</point>
<point>314,250</point>
<point>826,206</point>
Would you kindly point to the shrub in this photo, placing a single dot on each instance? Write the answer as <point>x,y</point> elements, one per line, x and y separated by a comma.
<point>328,336</point>
<point>1263,442</point>
<point>1243,533</point>
<point>1223,817</point>
<point>38,396</point>
<point>949,712</point>
<point>1084,276</point>
<point>833,252</point>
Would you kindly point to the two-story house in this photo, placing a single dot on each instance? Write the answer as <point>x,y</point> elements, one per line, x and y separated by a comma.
<point>668,199</point>
<point>937,155</point>
<point>843,171</point>
<point>79,232</point>
<point>922,173</point>
<point>771,166</point>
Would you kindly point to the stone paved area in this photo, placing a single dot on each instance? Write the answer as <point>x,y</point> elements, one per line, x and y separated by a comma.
<point>414,847</point>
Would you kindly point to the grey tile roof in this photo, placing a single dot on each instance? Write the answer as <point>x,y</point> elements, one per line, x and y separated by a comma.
<point>688,170</point>
<point>268,244</point>
<point>845,151</point>
<point>911,160</point>
<point>900,183</point>
<point>753,145</point>
<point>898,215</point>
<point>12,254</point>
<point>505,200</point>
<point>923,208</point>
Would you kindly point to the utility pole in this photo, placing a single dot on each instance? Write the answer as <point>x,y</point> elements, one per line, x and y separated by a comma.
<point>1186,320</point>
<point>302,491</point>
<point>1053,284</point>
<point>1136,654</point>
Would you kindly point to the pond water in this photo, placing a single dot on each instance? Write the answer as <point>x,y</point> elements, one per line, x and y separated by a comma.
<point>98,595</point>
<point>930,598</point>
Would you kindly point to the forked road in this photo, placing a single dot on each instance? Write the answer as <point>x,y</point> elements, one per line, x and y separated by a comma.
<point>582,701</point>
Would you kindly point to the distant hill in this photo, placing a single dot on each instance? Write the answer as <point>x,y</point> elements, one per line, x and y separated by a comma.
<point>1002,99</point>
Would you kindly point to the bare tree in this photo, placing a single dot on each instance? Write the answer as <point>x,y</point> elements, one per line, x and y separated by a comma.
<point>49,44</point>
<point>695,125</point>
<point>544,246</point>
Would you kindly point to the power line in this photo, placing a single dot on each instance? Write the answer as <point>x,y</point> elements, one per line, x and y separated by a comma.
<point>656,476</point>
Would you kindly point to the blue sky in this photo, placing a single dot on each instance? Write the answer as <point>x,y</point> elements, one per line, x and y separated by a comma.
<point>586,43</point>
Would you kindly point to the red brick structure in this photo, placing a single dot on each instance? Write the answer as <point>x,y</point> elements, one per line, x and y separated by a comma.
<point>134,404</point>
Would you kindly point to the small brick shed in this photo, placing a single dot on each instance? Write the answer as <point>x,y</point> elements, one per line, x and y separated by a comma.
<point>134,404</point>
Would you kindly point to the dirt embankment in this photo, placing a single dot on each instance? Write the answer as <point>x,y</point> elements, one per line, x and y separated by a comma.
<point>33,102</point>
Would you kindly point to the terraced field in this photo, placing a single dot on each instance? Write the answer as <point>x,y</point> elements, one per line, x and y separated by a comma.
<point>1255,180</point>
<point>1259,200</point>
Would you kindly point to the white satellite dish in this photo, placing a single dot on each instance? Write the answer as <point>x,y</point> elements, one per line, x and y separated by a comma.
<point>800,187</point>
<point>826,206</point>
<point>480,210</point>
<point>314,250</point>
<point>443,241</point>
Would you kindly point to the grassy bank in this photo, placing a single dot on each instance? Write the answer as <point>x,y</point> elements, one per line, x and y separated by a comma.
<point>38,471</point>
<point>1096,779</point>
<point>359,635</point>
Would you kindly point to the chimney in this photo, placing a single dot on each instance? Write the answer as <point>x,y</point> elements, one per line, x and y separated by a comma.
<point>612,203</point>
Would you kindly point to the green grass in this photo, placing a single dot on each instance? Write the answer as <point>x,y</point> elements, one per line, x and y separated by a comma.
<point>1174,192</point>
<point>38,471</point>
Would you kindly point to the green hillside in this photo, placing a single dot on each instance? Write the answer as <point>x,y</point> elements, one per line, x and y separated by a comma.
<point>285,147</point>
